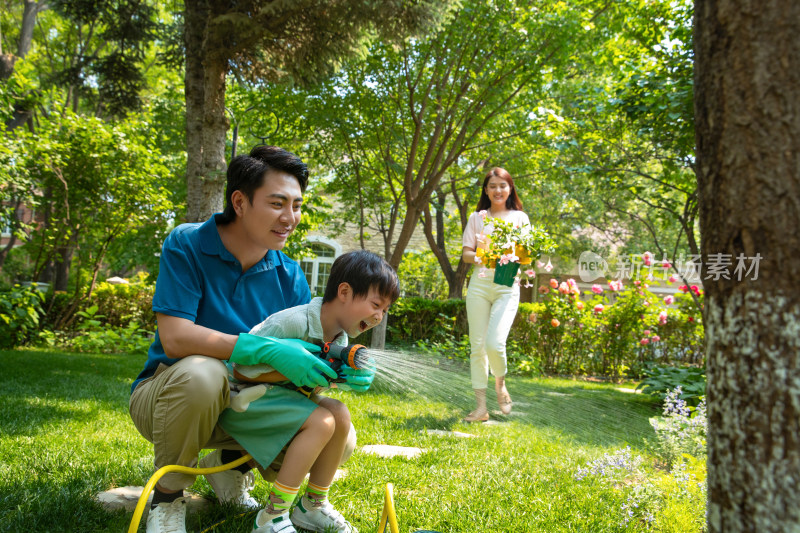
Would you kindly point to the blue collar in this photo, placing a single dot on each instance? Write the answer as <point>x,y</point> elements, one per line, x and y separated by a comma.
<point>211,244</point>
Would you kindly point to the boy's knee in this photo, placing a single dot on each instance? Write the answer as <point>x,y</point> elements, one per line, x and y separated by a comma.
<point>340,413</point>
<point>323,420</point>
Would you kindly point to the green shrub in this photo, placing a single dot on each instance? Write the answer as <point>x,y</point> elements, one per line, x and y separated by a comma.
<point>125,302</point>
<point>20,310</point>
<point>117,318</point>
<point>111,339</point>
<point>94,335</point>
<point>419,319</point>
<point>118,304</point>
<point>660,379</point>
<point>55,305</point>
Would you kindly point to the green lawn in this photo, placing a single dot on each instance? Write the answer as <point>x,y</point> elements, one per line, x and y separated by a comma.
<point>65,435</point>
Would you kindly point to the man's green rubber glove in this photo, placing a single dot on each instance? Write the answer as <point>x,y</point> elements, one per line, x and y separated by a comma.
<point>291,357</point>
<point>358,379</point>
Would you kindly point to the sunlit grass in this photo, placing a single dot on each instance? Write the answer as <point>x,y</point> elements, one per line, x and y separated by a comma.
<point>65,435</point>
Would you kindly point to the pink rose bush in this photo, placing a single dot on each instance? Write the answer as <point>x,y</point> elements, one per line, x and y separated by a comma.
<point>605,329</point>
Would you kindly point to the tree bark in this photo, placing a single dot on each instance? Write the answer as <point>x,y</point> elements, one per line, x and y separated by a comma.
<point>747,112</point>
<point>62,265</point>
<point>206,123</point>
<point>21,115</point>
<point>455,277</point>
<point>28,24</point>
<point>379,334</point>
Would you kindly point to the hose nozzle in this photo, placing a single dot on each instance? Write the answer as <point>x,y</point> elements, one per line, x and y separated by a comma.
<point>353,355</point>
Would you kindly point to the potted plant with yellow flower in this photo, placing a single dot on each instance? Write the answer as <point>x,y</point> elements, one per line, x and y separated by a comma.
<point>509,247</point>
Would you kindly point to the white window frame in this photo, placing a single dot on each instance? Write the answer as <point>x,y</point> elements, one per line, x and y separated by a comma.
<point>316,261</point>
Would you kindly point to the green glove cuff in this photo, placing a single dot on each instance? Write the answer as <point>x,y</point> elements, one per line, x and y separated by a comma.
<point>290,357</point>
<point>247,350</point>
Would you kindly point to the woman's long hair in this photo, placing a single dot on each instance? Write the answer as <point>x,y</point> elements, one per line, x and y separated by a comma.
<point>512,202</point>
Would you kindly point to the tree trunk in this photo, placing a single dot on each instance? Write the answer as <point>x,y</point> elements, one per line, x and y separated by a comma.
<point>62,266</point>
<point>455,277</point>
<point>28,24</point>
<point>21,114</point>
<point>379,334</point>
<point>7,248</point>
<point>14,223</point>
<point>406,231</point>
<point>456,286</point>
<point>747,91</point>
<point>206,123</point>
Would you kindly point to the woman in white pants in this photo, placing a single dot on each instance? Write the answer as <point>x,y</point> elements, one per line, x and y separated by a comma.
<point>491,308</point>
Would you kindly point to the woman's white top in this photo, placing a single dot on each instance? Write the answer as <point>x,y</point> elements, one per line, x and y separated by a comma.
<point>476,226</point>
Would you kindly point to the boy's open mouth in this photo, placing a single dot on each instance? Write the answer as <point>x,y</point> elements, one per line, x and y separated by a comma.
<point>363,325</point>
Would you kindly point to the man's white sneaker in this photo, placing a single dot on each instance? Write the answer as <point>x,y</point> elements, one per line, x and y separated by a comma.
<point>168,517</point>
<point>281,524</point>
<point>322,519</point>
<point>230,486</point>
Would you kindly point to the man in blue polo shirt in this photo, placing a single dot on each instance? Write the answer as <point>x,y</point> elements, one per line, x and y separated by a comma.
<point>216,281</point>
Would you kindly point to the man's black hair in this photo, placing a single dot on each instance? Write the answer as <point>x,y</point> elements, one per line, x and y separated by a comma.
<point>246,173</point>
<point>362,270</point>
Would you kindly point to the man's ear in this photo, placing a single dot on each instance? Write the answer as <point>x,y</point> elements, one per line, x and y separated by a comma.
<point>345,291</point>
<point>237,201</point>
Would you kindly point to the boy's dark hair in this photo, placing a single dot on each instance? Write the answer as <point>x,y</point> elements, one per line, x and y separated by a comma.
<point>362,270</point>
<point>246,173</point>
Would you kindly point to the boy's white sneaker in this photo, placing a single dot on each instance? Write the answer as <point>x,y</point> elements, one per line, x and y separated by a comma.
<point>281,524</point>
<point>322,519</point>
<point>230,486</point>
<point>168,517</point>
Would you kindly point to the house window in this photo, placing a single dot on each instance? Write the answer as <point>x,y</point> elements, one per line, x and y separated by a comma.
<point>5,225</point>
<point>318,269</point>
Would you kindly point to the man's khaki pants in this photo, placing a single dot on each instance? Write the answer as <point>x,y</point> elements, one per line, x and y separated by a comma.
<point>177,410</point>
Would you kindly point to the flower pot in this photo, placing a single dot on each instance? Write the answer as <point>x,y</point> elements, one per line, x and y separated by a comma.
<point>504,274</point>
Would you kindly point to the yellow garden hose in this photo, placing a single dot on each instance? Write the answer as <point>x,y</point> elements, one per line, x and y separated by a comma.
<point>137,513</point>
<point>388,516</point>
<point>388,512</point>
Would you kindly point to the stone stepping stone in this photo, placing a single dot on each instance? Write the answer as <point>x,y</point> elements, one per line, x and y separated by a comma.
<point>551,393</point>
<point>126,498</point>
<point>443,433</point>
<point>387,451</point>
<point>629,391</point>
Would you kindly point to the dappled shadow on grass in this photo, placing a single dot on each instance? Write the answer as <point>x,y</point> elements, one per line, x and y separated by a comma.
<point>69,376</point>
<point>40,389</point>
<point>423,422</point>
<point>31,416</point>
<point>592,416</point>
